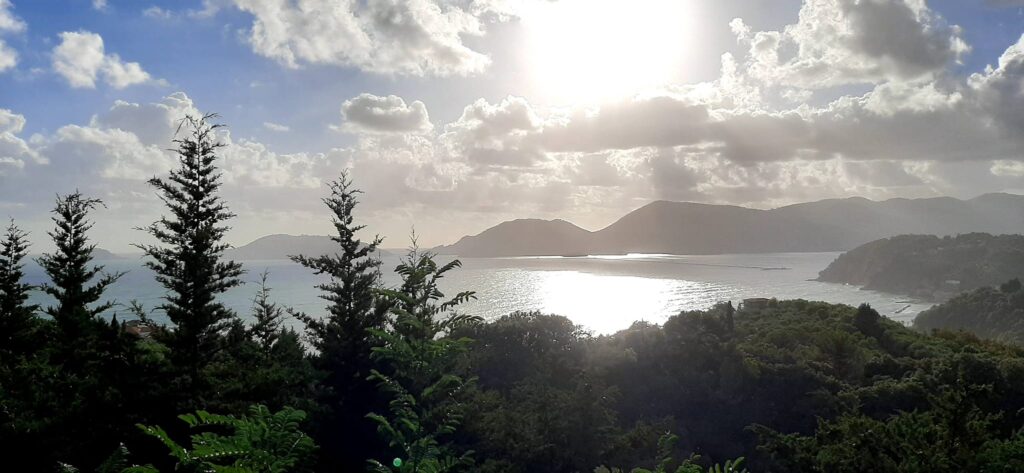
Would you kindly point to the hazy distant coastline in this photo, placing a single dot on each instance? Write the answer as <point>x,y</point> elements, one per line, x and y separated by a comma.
<point>692,228</point>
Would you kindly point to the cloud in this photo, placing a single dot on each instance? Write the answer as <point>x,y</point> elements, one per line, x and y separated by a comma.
<point>9,23</point>
<point>413,37</point>
<point>814,110</point>
<point>839,42</point>
<point>276,127</point>
<point>157,13</point>
<point>495,135</point>
<point>80,59</point>
<point>100,5</point>
<point>15,153</point>
<point>374,114</point>
<point>8,57</point>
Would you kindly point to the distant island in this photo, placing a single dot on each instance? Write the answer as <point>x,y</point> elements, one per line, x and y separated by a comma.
<point>280,247</point>
<point>994,313</point>
<point>930,267</point>
<point>99,254</point>
<point>693,228</point>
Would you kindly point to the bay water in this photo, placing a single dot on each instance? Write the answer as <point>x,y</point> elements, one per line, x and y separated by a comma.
<point>603,294</point>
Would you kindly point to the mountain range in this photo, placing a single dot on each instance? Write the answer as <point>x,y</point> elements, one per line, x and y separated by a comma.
<point>694,228</point>
<point>280,247</point>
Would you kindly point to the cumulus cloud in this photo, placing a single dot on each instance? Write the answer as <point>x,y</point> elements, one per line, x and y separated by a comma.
<point>371,113</point>
<point>417,37</point>
<point>80,59</point>
<point>100,5</point>
<point>15,153</point>
<point>839,42</point>
<point>9,23</point>
<point>749,137</point>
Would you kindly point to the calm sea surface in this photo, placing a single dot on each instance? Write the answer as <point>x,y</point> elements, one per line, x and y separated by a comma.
<point>602,293</point>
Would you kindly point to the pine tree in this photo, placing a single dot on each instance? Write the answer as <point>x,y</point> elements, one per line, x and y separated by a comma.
<point>266,328</point>
<point>69,270</point>
<point>189,261</point>
<point>424,383</point>
<point>86,368</point>
<point>342,338</point>
<point>16,316</point>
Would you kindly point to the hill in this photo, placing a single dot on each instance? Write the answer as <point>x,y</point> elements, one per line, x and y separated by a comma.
<point>989,312</point>
<point>694,228</point>
<point>99,254</point>
<point>928,266</point>
<point>524,237</point>
<point>279,247</point>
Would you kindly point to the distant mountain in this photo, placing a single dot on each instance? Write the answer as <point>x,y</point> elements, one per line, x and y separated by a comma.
<point>279,247</point>
<point>99,254</point>
<point>693,228</point>
<point>928,266</point>
<point>524,237</point>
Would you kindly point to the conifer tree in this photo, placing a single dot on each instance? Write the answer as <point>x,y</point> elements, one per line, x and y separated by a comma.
<point>189,260</point>
<point>342,338</point>
<point>266,328</point>
<point>16,315</point>
<point>425,382</point>
<point>69,269</point>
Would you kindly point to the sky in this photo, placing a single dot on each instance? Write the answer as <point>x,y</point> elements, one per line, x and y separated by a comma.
<point>455,115</point>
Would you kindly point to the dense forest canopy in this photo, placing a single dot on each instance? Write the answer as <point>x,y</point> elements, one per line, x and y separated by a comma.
<point>995,313</point>
<point>930,267</point>
<point>397,379</point>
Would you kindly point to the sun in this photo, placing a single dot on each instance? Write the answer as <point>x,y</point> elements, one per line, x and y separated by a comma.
<point>591,51</point>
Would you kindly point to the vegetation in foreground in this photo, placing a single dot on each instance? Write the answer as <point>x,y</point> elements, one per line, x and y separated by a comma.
<point>397,380</point>
<point>992,313</point>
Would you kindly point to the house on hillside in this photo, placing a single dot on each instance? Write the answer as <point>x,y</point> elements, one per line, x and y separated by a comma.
<point>755,303</point>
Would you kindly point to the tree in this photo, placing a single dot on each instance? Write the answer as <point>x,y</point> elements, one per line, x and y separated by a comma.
<point>190,261</point>
<point>266,328</point>
<point>342,338</point>
<point>263,362</point>
<point>16,316</point>
<point>69,270</point>
<point>425,382</point>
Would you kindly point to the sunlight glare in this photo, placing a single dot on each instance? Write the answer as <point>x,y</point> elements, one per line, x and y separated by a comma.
<point>591,51</point>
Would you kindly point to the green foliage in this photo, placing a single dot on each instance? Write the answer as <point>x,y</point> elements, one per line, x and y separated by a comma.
<point>264,362</point>
<point>424,382</point>
<point>342,338</point>
<point>268,316</point>
<point>68,268</point>
<point>928,266</point>
<point>189,261</point>
<point>17,317</point>
<point>666,445</point>
<point>260,442</point>
<point>988,312</point>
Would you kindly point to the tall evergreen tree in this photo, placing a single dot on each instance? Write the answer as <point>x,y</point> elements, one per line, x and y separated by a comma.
<point>86,368</point>
<point>342,338</point>
<point>266,326</point>
<point>70,271</point>
<point>426,363</point>
<point>189,262</point>
<point>16,315</point>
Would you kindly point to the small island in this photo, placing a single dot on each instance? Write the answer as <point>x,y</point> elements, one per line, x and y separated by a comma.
<point>930,267</point>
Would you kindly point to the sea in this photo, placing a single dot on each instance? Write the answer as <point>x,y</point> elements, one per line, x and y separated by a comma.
<point>603,294</point>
